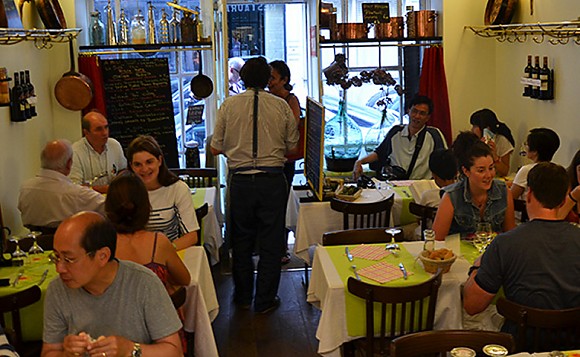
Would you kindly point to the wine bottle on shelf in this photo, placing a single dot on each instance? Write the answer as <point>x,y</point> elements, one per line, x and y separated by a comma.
<point>24,96</point>
<point>544,78</point>
<point>528,74</point>
<point>31,94</point>
<point>17,107</point>
<point>536,75</point>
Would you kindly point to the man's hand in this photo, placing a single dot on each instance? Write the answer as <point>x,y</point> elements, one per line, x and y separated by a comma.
<point>357,170</point>
<point>76,345</point>
<point>110,346</point>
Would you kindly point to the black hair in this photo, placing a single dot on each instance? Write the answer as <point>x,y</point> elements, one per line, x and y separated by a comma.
<point>421,99</point>
<point>549,184</point>
<point>486,118</point>
<point>149,144</point>
<point>284,71</point>
<point>443,163</point>
<point>256,73</point>
<point>467,147</point>
<point>572,172</point>
<point>544,141</point>
<point>99,234</point>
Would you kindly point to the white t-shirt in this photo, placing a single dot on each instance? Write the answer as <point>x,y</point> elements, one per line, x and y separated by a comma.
<point>502,145</point>
<point>521,178</point>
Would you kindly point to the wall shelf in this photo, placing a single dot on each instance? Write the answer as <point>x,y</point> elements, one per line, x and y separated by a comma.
<point>43,39</point>
<point>556,33</point>
<point>145,48</point>
<point>390,42</point>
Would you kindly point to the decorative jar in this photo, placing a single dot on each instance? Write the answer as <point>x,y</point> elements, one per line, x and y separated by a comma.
<point>342,141</point>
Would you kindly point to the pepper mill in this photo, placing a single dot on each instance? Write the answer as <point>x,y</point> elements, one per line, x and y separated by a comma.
<point>123,29</point>
<point>151,35</point>
<point>163,28</point>
<point>111,26</point>
<point>174,27</point>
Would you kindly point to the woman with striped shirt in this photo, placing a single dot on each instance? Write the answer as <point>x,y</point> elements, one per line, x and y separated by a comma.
<point>172,210</point>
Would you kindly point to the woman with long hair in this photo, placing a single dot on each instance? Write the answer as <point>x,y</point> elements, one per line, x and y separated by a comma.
<point>172,210</point>
<point>477,197</point>
<point>495,134</point>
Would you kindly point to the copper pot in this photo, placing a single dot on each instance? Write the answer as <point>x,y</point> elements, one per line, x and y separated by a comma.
<point>392,29</point>
<point>351,31</point>
<point>74,90</point>
<point>421,23</point>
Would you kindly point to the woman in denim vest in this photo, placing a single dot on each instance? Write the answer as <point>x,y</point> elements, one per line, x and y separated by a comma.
<point>477,197</point>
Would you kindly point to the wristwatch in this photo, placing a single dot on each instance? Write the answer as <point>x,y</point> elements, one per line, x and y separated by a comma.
<point>136,350</point>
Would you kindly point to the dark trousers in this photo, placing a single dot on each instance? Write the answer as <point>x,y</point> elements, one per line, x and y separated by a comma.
<point>257,214</point>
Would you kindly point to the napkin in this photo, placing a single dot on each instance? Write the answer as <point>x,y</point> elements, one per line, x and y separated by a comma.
<point>382,272</point>
<point>370,252</point>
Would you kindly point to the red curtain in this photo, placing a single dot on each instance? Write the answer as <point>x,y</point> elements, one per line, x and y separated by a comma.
<point>89,66</point>
<point>434,85</point>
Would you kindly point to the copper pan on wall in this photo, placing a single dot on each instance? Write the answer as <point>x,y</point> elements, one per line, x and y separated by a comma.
<point>351,31</point>
<point>393,29</point>
<point>421,23</point>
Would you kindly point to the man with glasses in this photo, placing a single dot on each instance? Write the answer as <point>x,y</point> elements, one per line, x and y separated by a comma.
<point>103,306</point>
<point>399,146</point>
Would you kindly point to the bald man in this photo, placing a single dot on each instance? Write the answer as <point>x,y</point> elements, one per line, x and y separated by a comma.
<point>96,155</point>
<point>51,196</point>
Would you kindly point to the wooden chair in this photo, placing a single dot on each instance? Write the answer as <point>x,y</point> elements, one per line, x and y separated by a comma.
<point>425,213</point>
<point>542,330</point>
<point>364,215</point>
<point>4,232</point>
<point>198,177</point>
<point>520,206</point>
<point>430,343</point>
<point>201,212</point>
<point>359,236</point>
<point>12,304</point>
<point>404,309</point>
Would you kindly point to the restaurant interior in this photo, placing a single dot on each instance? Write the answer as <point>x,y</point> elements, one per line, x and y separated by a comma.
<point>482,68</point>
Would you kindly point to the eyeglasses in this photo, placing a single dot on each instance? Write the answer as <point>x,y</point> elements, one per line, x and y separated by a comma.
<point>419,112</point>
<point>55,259</point>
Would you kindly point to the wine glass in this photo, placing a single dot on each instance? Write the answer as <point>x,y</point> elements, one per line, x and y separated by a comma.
<point>483,234</point>
<point>35,249</point>
<point>18,253</point>
<point>393,245</point>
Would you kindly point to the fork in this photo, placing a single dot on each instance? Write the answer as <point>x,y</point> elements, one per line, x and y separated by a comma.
<point>20,273</point>
<point>353,267</point>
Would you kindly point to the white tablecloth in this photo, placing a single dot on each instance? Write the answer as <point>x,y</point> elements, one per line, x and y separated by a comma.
<point>212,228</point>
<point>201,305</point>
<point>310,220</point>
<point>326,291</point>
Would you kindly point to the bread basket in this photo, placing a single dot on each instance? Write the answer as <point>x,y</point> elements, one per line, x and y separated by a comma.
<point>341,195</point>
<point>432,265</point>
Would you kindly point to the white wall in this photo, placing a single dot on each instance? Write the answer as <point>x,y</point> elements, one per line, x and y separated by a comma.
<point>485,73</point>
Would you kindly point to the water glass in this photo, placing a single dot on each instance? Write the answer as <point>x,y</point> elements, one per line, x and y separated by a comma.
<point>35,248</point>
<point>18,253</point>
<point>483,236</point>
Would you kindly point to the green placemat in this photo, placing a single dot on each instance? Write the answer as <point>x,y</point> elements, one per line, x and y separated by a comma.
<point>468,250</point>
<point>406,216</point>
<point>355,306</point>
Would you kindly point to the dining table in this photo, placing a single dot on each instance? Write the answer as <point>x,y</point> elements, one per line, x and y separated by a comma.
<point>211,232</point>
<point>342,314</point>
<point>310,220</point>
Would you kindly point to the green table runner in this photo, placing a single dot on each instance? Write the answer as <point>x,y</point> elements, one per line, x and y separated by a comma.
<point>468,250</point>
<point>355,306</point>
<point>405,193</point>
<point>31,316</point>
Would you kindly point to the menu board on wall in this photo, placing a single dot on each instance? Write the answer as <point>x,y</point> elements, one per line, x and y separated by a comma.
<point>314,153</point>
<point>138,101</point>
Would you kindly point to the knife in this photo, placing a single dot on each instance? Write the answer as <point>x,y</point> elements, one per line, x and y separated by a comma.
<point>43,278</point>
<point>348,255</point>
<point>402,267</point>
<point>20,273</point>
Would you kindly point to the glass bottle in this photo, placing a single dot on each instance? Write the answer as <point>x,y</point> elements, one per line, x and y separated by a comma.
<point>342,141</point>
<point>24,96</point>
<point>31,93</point>
<point>17,107</point>
<point>174,28</point>
<point>151,31</point>
<point>4,87</point>
<point>545,80</point>
<point>97,29</point>
<point>429,244</point>
<point>378,132</point>
<point>111,25</point>
<point>163,28</point>
<point>536,75</point>
<point>188,28</point>
<point>138,29</point>
<point>123,28</point>
<point>528,74</point>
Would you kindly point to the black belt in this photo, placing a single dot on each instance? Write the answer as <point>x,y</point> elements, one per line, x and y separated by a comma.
<point>265,169</point>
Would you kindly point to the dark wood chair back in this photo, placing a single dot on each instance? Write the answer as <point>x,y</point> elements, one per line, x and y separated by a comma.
<point>198,177</point>
<point>425,213</point>
<point>520,206</point>
<point>432,343</point>
<point>178,297</point>
<point>201,212</point>
<point>5,232</point>
<point>542,330</point>
<point>359,236</point>
<point>404,309</point>
<point>12,304</point>
<point>364,215</point>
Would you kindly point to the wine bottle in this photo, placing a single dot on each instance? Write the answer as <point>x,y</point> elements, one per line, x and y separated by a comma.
<point>17,107</point>
<point>24,97</point>
<point>528,74</point>
<point>536,75</point>
<point>545,79</point>
<point>31,94</point>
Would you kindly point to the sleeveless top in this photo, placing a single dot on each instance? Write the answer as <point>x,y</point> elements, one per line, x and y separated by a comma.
<point>300,153</point>
<point>159,269</point>
<point>466,213</point>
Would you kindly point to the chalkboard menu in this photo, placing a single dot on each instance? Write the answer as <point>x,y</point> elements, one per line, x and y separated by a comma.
<point>374,13</point>
<point>138,102</point>
<point>314,153</point>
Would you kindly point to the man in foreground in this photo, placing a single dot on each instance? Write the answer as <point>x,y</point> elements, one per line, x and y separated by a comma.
<point>103,306</point>
<point>537,262</point>
<point>97,155</point>
<point>51,196</point>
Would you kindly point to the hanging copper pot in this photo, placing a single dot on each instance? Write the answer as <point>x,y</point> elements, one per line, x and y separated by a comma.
<point>393,29</point>
<point>421,23</point>
<point>351,31</point>
<point>74,90</point>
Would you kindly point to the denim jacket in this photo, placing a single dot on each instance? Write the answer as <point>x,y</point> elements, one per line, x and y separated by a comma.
<point>466,214</point>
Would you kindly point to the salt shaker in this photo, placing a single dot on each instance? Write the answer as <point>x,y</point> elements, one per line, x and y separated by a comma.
<point>429,244</point>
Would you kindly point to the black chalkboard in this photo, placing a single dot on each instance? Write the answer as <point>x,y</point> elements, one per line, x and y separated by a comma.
<point>194,114</point>
<point>376,13</point>
<point>314,153</point>
<point>138,102</point>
